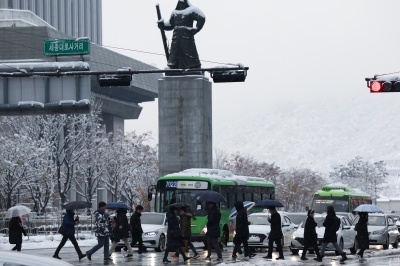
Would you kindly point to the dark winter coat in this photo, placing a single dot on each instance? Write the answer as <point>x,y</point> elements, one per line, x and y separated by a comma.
<point>15,231</point>
<point>242,223</point>
<point>136,223</point>
<point>173,224</point>
<point>329,224</point>
<point>362,233</point>
<point>186,225</point>
<point>102,223</point>
<point>69,223</point>
<point>121,229</point>
<point>276,227</point>
<point>214,218</point>
<point>310,233</point>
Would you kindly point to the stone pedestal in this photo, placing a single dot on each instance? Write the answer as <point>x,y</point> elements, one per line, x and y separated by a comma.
<point>185,123</point>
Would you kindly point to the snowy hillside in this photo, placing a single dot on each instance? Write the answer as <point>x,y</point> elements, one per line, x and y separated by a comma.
<point>319,135</point>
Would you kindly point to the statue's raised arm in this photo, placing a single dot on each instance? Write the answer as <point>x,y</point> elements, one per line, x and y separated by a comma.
<point>183,52</point>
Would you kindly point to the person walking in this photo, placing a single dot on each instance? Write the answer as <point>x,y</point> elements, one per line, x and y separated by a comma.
<point>362,235</point>
<point>15,231</point>
<point>174,236</point>
<point>332,225</point>
<point>185,223</point>
<point>242,231</point>
<point>275,236</point>
<point>103,229</point>
<point>121,231</point>
<point>310,235</point>
<point>213,230</point>
<point>137,230</point>
<point>69,223</point>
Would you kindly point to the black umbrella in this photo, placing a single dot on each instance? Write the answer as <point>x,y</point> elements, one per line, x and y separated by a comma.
<point>76,205</point>
<point>268,203</point>
<point>210,196</point>
<point>176,206</point>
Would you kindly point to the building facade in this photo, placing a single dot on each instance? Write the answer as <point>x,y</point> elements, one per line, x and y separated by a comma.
<point>78,18</point>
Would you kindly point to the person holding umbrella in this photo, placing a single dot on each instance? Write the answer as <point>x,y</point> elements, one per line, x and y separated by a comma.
<point>275,236</point>
<point>186,229</point>
<point>213,230</point>
<point>310,235</point>
<point>16,230</point>
<point>69,224</point>
<point>103,229</point>
<point>362,234</point>
<point>121,231</point>
<point>174,236</point>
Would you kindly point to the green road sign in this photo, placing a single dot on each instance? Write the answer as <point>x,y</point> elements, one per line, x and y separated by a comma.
<point>66,47</point>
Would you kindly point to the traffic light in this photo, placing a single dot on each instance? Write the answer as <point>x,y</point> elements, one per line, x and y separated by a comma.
<point>388,85</point>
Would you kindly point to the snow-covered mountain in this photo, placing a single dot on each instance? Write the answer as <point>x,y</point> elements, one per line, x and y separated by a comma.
<point>320,134</point>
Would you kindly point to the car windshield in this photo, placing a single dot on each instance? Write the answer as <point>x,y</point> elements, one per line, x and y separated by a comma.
<point>296,218</point>
<point>376,220</point>
<point>318,220</point>
<point>259,220</point>
<point>148,218</point>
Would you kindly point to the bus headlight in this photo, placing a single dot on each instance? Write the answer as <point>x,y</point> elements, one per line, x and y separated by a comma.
<point>204,230</point>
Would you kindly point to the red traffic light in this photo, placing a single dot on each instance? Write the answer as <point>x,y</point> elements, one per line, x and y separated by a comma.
<point>376,86</point>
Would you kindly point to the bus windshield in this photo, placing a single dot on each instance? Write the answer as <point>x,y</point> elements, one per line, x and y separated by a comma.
<point>341,204</point>
<point>166,197</point>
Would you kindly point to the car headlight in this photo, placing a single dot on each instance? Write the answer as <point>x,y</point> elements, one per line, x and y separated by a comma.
<point>294,237</point>
<point>151,233</point>
<point>379,232</point>
<point>204,230</point>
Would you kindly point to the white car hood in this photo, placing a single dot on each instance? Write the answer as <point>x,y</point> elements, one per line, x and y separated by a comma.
<point>152,227</point>
<point>259,229</point>
<point>372,228</point>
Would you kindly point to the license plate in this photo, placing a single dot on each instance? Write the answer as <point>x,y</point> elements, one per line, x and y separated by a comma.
<point>254,239</point>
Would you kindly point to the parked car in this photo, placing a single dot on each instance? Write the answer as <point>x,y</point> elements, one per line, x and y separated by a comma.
<point>296,217</point>
<point>348,215</point>
<point>154,231</point>
<point>260,227</point>
<point>346,236</point>
<point>382,230</point>
<point>12,259</point>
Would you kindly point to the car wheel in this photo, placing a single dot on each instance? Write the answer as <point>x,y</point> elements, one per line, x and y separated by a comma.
<point>161,244</point>
<point>395,244</point>
<point>295,251</point>
<point>341,245</point>
<point>353,250</point>
<point>386,246</point>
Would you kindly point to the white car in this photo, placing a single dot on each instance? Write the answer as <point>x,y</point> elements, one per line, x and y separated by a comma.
<point>346,236</point>
<point>13,258</point>
<point>154,235</point>
<point>260,227</point>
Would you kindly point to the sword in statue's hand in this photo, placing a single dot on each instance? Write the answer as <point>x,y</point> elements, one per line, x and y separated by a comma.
<point>164,38</point>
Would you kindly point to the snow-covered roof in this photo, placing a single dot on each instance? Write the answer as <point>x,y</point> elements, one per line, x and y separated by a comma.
<point>44,66</point>
<point>216,174</point>
<point>341,187</point>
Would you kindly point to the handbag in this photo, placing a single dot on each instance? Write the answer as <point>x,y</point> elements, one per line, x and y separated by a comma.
<point>176,234</point>
<point>62,230</point>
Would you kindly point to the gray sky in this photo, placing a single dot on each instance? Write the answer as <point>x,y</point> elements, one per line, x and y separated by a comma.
<point>297,51</point>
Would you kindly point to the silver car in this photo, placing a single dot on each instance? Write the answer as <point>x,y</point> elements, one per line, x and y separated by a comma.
<point>382,230</point>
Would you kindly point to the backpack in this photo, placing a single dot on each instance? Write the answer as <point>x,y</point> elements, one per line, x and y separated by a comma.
<point>336,224</point>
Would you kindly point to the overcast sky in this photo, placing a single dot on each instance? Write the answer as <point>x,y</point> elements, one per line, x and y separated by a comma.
<point>297,51</point>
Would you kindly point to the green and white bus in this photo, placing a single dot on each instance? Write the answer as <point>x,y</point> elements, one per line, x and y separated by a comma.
<point>183,186</point>
<point>341,197</point>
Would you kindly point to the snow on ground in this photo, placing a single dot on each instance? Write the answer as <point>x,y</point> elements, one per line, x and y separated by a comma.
<point>265,262</point>
<point>49,241</point>
<point>369,254</point>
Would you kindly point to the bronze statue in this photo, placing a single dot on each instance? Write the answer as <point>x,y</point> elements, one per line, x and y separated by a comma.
<point>183,53</point>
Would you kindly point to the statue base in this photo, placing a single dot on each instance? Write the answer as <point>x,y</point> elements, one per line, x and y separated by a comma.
<point>185,123</point>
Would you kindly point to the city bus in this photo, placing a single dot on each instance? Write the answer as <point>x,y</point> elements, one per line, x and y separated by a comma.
<point>183,186</point>
<point>340,196</point>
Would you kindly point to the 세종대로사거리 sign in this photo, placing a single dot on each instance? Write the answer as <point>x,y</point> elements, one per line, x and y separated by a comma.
<point>66,47</point>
